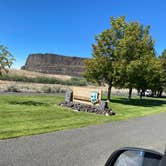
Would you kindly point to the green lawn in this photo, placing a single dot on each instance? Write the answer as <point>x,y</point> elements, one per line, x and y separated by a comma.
<point>28,114</point>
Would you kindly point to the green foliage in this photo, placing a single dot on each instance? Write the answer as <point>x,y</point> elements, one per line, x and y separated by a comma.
<point>124,57</point>
<point>6,59</point>
<point>44,80</point>
<point>135,52</point>
<point>161,71</point>
<point>101,67</point>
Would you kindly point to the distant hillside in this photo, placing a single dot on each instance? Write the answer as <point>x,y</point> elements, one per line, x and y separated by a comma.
<point>35,77</point>
<point>26,73</point>
<point>55,64</point>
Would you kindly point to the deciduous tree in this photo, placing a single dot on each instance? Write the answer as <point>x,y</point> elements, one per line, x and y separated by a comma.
<point>100,68</point>
<point>134,52</point>
<point>6,59</point>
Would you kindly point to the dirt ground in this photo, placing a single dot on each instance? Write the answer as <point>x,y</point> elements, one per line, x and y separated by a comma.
<point>7,86</point>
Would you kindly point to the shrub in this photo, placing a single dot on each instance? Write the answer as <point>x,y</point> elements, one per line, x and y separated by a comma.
<point>45,80</point>
<point>46,89</point>
<point>13,88</point>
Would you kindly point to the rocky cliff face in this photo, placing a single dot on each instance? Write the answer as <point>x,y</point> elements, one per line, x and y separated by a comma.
<point>55,64</point>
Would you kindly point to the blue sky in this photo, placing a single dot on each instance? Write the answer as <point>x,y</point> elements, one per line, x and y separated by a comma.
<point>68,27</point>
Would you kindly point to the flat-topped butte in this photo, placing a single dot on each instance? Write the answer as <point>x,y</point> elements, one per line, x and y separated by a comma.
<point>55,64</point>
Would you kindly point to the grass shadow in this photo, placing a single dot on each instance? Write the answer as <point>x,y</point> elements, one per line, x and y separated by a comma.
<point>29,103</point>
<point>138,102</point>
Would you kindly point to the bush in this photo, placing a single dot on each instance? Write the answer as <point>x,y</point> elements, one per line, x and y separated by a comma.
<point>45,80</point>
<point>13,88</point>
<point>46,89</point>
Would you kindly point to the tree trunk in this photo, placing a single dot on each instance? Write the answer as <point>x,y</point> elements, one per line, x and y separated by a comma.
<point>109,92</point>
<point>130,93</point>
<point>141,93</point>
<point>138,92</point>
<point>160,93</point>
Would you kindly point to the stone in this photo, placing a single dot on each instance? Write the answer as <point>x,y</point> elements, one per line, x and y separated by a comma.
<point>69,96</point>
<point>103,105</point>
<point>106,114</point>
<point>87,108</point>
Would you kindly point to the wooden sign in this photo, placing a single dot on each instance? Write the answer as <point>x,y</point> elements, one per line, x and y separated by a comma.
<point>91,96</point>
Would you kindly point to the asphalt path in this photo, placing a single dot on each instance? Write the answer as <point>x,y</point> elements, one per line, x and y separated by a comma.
<point>88,146</point>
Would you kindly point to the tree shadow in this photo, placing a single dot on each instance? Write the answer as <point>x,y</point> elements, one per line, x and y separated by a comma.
<point>137,102</point>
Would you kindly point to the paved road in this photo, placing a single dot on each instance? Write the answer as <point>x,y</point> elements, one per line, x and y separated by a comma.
<point>89,146</point>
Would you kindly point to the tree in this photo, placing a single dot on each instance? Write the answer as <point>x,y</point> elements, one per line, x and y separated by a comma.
<point>134,51</point>
<point>101,67</point>
<point>6,60</point>
<point>122,56</point>
<point>161,68</point>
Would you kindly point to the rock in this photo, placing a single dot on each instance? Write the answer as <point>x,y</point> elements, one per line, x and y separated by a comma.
<point>103,105</point>
<point>69,96</point>
<point>88,108</point>
<point>55,64</point>
<point>106,114</point>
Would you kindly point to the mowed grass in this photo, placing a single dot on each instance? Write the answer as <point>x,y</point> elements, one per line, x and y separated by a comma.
<point>28,114</point>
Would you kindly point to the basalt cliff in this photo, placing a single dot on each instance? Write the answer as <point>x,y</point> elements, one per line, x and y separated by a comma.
<point>55,64</point>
